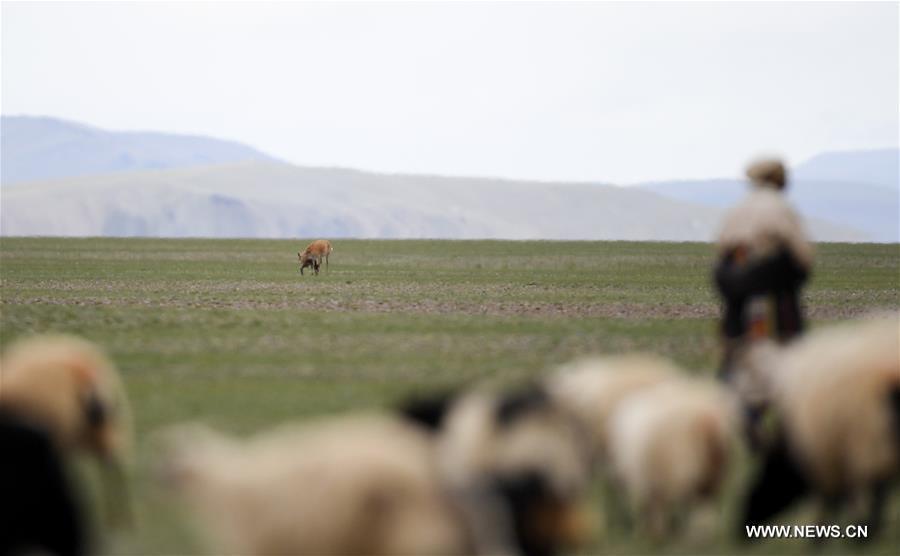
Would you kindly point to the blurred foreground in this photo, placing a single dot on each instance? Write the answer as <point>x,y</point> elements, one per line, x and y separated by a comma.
<point>230,333</point>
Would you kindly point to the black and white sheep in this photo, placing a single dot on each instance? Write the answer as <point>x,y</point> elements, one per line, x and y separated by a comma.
<point>837,392</point>
<point>484,474</point>
<point>60,397</point>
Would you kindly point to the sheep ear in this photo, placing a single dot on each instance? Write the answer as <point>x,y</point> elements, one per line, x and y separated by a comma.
<point>428,411</point>
<point>517,403</point>
<point>95,412</point>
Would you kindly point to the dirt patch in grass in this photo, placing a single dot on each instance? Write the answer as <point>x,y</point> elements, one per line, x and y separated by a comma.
<point>617,310</point>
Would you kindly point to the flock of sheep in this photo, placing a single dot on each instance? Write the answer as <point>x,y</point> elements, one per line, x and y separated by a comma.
<point>481,471</point>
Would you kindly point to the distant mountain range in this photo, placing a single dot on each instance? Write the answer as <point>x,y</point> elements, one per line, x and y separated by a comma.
<point>871,209</point>
<point>875,167</point>
<point>264,199</point>
<point>176,186</point>
<point>38,148</point>
<point>857,189</point>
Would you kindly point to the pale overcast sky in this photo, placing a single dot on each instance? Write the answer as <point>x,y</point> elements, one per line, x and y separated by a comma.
<point>607,92</point>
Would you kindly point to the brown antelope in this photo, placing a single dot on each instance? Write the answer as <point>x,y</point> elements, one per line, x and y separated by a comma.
<point>314,253</point>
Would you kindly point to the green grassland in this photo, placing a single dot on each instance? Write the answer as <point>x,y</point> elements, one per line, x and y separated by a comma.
<point>227,331</point>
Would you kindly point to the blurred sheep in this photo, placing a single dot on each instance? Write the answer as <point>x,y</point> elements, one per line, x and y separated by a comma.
<point>484,476</point>
<point>517,466</point>
<point>355,485</point>
<point>837,392</point>
<point>59,397</point>
<point>669,447</point>
<point>592,389</point>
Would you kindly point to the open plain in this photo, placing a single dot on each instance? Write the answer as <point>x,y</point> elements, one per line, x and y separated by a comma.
<point>228,332</point>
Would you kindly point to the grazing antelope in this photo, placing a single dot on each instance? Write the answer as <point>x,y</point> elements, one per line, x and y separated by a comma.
<point>314,253</point>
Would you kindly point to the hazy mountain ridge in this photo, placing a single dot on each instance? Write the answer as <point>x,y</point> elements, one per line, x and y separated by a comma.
<point>278,200</point>
<point>39,148</point>
<point>876,167</point>
<point>871,209</point>
<point>253,195</point>
<point>856,189</point>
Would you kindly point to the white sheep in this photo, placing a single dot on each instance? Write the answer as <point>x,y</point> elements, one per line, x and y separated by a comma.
<point>669,449</point>
<point>591,389</point>
<point>497,475</point>
<point>838,394</point>
<point>355,485</point>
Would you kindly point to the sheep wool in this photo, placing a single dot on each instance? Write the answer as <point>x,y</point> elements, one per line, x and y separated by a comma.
<point>516,466</point>
<point>752,370</point>
<point>352,485</point>
<point>592,389</point>
<point>669,447</point>
<point>70,388</point>
<point>832,389</point>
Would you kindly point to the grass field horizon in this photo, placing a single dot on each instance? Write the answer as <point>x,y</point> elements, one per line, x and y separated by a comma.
<point>228,331</point>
